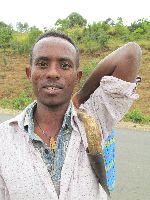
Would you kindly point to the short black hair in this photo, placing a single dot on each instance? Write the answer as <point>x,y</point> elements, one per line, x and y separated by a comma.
<point>59,35</point>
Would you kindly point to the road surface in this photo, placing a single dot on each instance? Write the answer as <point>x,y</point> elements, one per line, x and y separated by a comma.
<point>133,164</point>
<point>4,117</point>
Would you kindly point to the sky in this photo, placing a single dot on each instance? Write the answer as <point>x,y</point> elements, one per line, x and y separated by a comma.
<point>44,13</point>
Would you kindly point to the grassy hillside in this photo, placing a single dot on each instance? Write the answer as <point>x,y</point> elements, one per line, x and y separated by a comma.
<point>16,92</point>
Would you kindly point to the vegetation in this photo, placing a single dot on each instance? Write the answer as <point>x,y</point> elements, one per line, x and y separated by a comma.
<point>94,40</point>
<point>17,103</point>
<point>89,37</point>
<point>137,116</point>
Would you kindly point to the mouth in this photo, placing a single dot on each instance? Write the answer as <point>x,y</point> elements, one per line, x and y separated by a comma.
<point>53,85</point>
<point>53,88</point>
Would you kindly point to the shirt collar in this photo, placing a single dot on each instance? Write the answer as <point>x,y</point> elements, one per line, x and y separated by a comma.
<point>29,114</point>
<point>29,124</point>
<point>30,109</point>
<point>23,118</point>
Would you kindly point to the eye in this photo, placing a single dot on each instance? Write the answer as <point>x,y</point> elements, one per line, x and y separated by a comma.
<point>42,63</point>
<point>65,65</point>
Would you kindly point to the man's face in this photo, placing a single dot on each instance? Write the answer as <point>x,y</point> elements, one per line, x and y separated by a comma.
<point>53,73</point>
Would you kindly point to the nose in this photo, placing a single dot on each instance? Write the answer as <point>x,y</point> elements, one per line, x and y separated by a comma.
<point>53,72</point>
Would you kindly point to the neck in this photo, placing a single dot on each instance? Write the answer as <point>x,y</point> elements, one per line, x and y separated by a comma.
<point>49,114</point>
<point>50,119</point>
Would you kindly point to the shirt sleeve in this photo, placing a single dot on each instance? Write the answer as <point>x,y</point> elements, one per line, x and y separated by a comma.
<point>110,101</point>
<point>4,195</point>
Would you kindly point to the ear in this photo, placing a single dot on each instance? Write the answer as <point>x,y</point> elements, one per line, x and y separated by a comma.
<point>28,72</point>
<point>79,75</point>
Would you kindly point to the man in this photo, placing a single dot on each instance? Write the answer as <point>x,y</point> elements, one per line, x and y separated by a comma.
<point>42,154</point>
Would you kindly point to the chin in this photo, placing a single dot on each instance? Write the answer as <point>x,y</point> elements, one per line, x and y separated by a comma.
<point>54,104</point>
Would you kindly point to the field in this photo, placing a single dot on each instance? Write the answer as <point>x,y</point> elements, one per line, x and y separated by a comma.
<point>13,80</point>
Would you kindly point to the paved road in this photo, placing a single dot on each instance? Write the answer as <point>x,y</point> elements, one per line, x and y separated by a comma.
<point>4,117</point>
<point>133,164</point>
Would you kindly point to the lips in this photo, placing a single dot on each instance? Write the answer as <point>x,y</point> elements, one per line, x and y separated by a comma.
<point>53,85</point>
<point>53,88</point>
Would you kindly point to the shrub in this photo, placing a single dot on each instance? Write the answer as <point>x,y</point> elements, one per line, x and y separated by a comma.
<point>4,103</point>
<point>87,69</point>
<point>137,116</point>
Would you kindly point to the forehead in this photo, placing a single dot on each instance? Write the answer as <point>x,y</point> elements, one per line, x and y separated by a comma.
<point>54,47</point>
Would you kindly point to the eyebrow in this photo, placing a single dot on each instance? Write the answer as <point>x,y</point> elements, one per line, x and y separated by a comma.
<point>41,58</point>
<point>65,59</point>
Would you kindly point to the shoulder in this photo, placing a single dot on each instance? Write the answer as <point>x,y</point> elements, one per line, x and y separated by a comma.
<point>8,125</point>
<point>4,125</point>
<point>5,129</point>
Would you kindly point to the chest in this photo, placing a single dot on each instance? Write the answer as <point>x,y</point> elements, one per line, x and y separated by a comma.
<point>25,172</point>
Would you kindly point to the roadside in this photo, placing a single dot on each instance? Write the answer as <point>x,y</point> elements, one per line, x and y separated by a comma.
<point>122,124</point>
<point>133,126</point>
<point>8,111</point>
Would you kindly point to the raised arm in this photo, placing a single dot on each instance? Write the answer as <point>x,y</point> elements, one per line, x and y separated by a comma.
<point>122,63</point>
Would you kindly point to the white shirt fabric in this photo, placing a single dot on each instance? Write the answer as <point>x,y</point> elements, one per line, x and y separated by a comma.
<point>23,174</point>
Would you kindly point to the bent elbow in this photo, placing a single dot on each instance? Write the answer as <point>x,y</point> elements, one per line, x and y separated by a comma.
<point>134,53</point>
<point>134,49</point>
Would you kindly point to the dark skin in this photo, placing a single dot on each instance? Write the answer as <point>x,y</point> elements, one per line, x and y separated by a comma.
<point>53,85</point>
<point>53,75</point>
<point>123,63</point>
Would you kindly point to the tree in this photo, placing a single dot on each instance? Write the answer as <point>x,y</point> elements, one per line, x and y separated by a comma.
<point>95,36</point>
<point>22,42</point>
<point>119,30</point>
<point>140,24</point>
<point>109,21</point>
<point>22,27</point>
<point>5,36</point>
<point>2,24</point>
<point>73,20</point>
<point>33,34</point>
<point>61,24</point>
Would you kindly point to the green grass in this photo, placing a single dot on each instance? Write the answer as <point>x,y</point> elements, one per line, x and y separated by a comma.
<point>137,116</point>
<point>87,69</point>
<point>17,103</point>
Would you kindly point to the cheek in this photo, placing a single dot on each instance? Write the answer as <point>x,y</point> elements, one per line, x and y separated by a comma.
<point>72,82</point>
<point>35,81</point>
<point>71,77</point>
<point>36,77</point>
